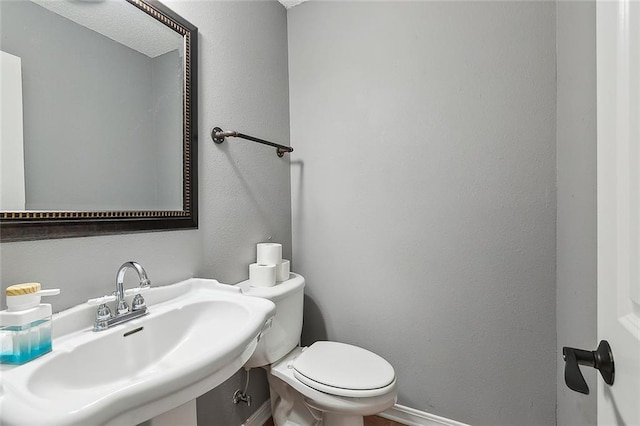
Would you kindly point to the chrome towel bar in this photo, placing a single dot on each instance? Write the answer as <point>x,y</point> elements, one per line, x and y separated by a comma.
<point>218,136</point>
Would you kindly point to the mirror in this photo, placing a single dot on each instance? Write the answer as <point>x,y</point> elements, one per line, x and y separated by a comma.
<point>98,118</point>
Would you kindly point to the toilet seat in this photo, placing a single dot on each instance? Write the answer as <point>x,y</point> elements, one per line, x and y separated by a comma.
<point>344,370</point>
<point>326,402</point>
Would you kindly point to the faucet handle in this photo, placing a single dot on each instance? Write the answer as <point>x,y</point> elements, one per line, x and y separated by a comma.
<point>136,290</point>
<point>101,300</point>
<point>103,314</point>
<point>102,317</point>
<point>138,303</point>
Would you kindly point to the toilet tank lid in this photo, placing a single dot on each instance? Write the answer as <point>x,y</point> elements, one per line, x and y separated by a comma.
<point>343,366</point>
<point>278,291</point>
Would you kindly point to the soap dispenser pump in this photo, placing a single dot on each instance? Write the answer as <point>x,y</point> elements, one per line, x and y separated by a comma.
<point>25,326</point>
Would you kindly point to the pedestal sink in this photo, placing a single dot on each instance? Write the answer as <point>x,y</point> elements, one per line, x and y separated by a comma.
<point>198,334</point>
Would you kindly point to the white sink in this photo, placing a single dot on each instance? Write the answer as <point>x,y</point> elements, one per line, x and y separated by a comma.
<point>198,334</point>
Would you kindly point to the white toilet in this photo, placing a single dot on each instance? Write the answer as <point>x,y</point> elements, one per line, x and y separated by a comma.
<point>327,383</point>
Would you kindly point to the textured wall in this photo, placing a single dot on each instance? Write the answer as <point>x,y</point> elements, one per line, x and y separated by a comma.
<point>423,196</point>
<point>577,222</point>
<point>244,188</point>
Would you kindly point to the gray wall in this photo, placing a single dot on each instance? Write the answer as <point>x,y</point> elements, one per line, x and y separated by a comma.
<point>423,196</point>
<point>243,188</point>
<point>576,181</point>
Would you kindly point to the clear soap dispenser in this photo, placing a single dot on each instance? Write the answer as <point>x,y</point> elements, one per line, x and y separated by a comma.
<point>25,326</point>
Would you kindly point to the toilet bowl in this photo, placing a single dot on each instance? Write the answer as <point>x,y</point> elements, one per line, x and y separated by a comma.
<point>327,383</point>
<point>337,400</point>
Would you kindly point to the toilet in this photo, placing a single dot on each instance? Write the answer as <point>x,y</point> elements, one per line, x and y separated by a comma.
<point>327,383</point>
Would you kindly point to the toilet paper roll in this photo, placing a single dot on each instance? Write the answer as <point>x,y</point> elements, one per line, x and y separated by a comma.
<point>282,270</point>
<point>262,275</point>
<point>269,253</point>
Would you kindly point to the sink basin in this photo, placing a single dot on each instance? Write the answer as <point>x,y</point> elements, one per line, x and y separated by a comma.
<point>197,334</point>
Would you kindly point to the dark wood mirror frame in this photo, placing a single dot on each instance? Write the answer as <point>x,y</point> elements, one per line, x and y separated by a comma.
<point>39,225</point>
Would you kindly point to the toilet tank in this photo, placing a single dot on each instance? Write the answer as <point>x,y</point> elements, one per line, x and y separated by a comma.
<point>286,327</point>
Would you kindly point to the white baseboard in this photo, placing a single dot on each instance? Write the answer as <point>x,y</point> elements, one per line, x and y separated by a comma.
<point>412,417</point>
<point>398,413</point>
<point>260,417</point>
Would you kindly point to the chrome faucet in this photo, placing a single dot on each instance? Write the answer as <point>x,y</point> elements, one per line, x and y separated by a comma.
<point>104,317</point>
<point>121,305</point>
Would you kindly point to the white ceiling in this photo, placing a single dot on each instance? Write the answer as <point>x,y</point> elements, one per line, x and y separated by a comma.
<point>115,20</point>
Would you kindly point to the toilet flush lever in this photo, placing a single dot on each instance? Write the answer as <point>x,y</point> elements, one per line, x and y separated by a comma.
<point>601,359</point>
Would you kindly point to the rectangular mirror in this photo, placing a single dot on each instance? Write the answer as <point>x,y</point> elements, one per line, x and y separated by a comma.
<point>98,118</point>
